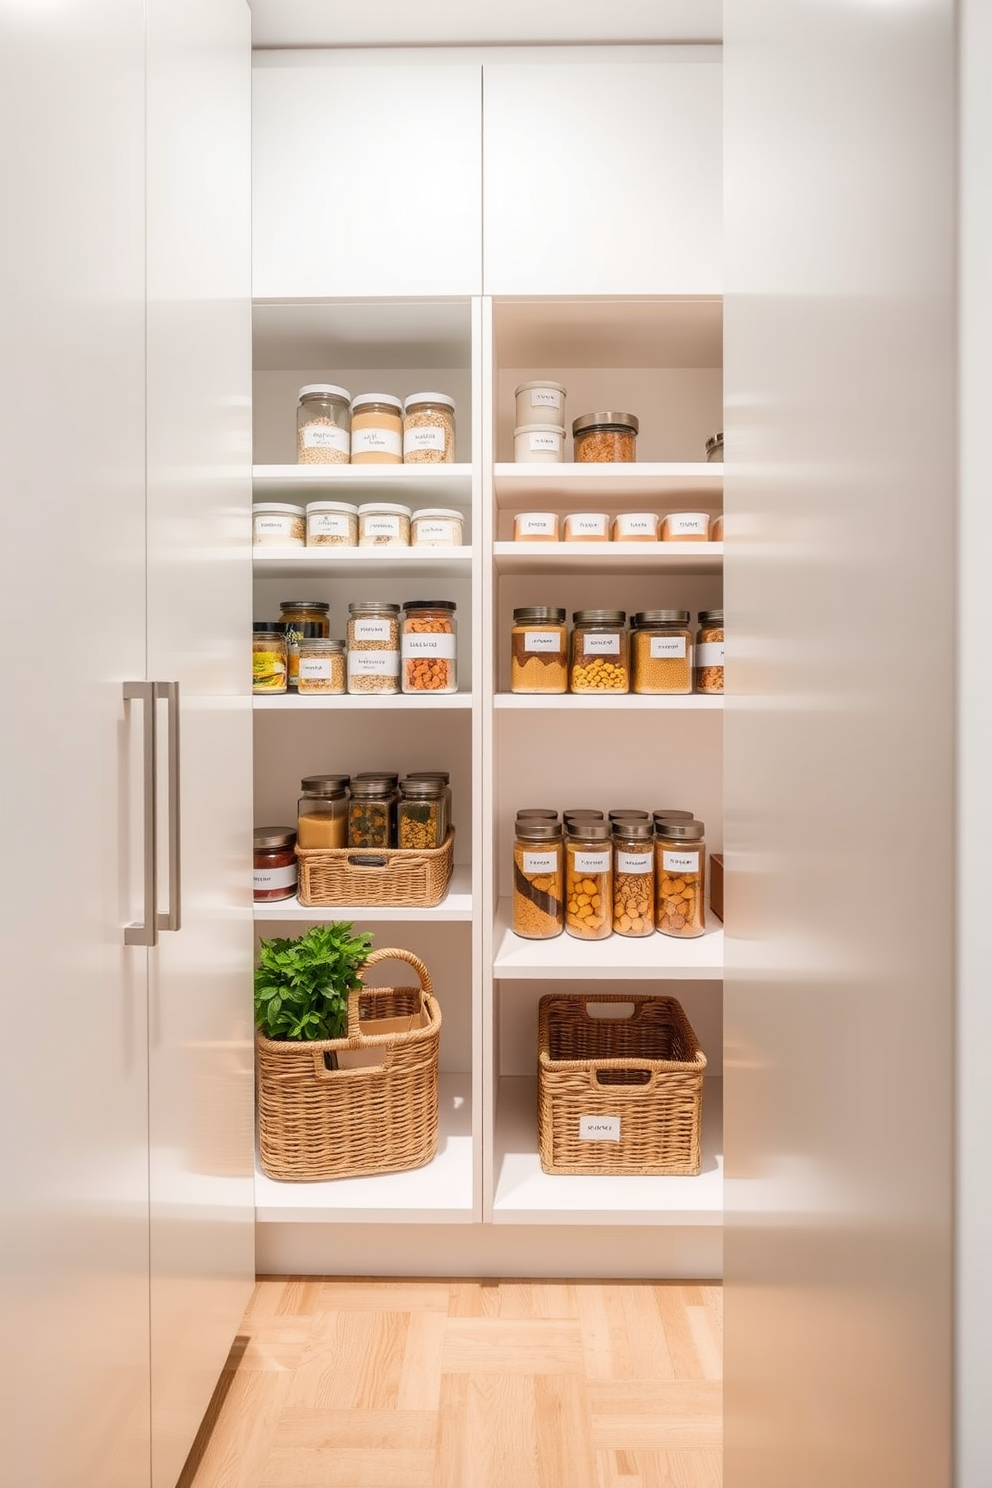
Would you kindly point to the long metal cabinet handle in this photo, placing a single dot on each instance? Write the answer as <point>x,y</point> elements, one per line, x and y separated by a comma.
<point>145,931</point>
<point>171,918</point>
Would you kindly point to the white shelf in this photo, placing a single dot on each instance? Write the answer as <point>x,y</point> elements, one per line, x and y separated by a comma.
<point>609,558</point>
<point>363,563</point>
<point>566,958</point>
<point>441,1192</point>
<point>522,702</point>
<point>289,702</point>
<point>456,905</point>
<point>519,485</point>
<point>423,485</point>
<point>525,1194</point>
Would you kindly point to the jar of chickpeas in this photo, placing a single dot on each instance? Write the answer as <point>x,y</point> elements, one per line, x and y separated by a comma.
<point>589,880</point>
<point>633,876</point>
<point>680,878</point>
<point>599,658</point>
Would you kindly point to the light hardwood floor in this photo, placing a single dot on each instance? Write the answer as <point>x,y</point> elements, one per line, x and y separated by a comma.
<point>466,1384</point>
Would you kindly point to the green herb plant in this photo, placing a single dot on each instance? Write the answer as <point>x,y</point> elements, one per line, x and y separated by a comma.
<point>302,983</point>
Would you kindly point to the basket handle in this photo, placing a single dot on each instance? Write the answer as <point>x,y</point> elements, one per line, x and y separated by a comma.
<point>621,1068</point>
<point>386,954</point>
<point>323,1073</point>
<point>609,1012</point>
<point>367,860</point>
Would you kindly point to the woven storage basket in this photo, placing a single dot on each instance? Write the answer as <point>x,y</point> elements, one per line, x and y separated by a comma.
<point>318,1123</point>
<point>405,877</point>
<point>618,1094</point>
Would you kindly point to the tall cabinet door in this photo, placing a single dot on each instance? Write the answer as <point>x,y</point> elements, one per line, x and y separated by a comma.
<point>73,1092</point>
<point>199,601</point>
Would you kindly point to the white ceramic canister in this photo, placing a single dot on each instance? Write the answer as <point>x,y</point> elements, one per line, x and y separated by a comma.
<point>685,527</point>
<point>540,402</point>
<point>275,525</point>
<point>539,444</point>
<point>436,527</point>
<point>535,527</point>
<point>586,527</point>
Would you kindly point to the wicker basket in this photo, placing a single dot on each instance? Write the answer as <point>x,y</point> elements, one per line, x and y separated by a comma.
<point>618,1094</point>
<point>410,878</point>
<point>315,1122</point>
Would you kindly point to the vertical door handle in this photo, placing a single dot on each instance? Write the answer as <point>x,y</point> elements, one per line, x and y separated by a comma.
<point>144,932</point>
<point>171,918</point>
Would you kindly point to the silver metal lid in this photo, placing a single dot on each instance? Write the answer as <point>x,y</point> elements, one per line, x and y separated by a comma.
<point>645,618</point>
<point>598,617</point>
<point>422,790</point>
<point>271,837</point>
<point>670,813</point>
<point>378,785</point>
<point>324,643</point>
<point>609,420</point>
<point>592,831</point>
<point>317,780</point>
<point>443,775</point>
<point>631,815</point>
<point>583,813</point>
<point>532,830</point>
<point>536,614</point>
<point>711,617</point>
<point>305,604</point>
<point>324,790</point>
<point>681,831</point>
<point>372,607</point>
<point>641,831</point>
<point>537,813</point>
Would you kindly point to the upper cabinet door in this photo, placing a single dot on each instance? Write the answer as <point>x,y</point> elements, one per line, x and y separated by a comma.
<point>367,178</point>
<point>603,177</point>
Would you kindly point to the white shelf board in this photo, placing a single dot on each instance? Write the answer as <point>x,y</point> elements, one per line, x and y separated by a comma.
<point>521,485</point>
<point>523,702</point>
<point>456,905</point>
<point>566,958</point>
<point>608,557</point>
<point>422,485</point>
<point>363,563</point>
<point>525,1194</point>
<point>438,1193</point>
<point>290,702</point>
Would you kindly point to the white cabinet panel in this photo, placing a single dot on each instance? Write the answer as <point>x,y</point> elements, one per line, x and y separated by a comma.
<point>367,179</point>
<point>603,177</point>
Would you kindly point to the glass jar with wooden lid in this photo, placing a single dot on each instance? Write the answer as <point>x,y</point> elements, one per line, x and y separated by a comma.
<point>633,876</point>
<point>589,880</point>
<point>680,878</point>
<point>599,656</point>
<point>661,652</point>
<point>539,650</point>
<point>322,813</point>
<point>538,879</point>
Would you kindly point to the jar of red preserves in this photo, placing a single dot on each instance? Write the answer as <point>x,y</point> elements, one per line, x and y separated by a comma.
<point>275,864</point>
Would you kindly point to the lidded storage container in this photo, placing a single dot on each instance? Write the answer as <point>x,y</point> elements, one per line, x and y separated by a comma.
<point>383,524</point>
<point>599,652</point>
<point>539,444</point>
<point>633,876</point>
<point>709,652</point>
<point>589,880</point>
<point>323,425</point>
<point>635,527</point>
<point>538,878</point>
<point>276,525</point>
<point>586,527</point>
<point>661,647</point>
<point>686,527</point>
<point>269,660</point>
<point>332,524</point>
<point>539,650</point>
<point>428,429</point>
<point>535,527</point>
<point>444,776</point>
<point>420,814</point>
<point>321,665</point>
<point>605,438</point>
<point>295,614</point>
<point>372,812</point>
<point>373,647</point>
<point>274,873</point>
<point>540,402</point>
<point>436,527</point>
<point>680,878</point>
<point>429,646</point>
<point>376,429</point>
<point>322,812</point>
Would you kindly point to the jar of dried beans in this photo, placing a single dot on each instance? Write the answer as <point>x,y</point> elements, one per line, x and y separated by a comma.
<point>269,663</point>
<point>538,879</point>
<point>372,812</point>
<point>661,646</point>
<point>323,425</point>
<point>589,880</point>
<point>709,652</point>
<point>539,650</point>
<point>274,875</point>
<point>429,646</point>
<point>633,876</point>
<point>294,614</point>
<point>428,429</point>
<point>605,437</point>
<point>680,878</point>
<point>332,524</point>
<point>420,814</point>
<point>373,647</point>
<point>321,665</point>
<point>599,652</point>
<point>322,813</point>
<point>376,429</point>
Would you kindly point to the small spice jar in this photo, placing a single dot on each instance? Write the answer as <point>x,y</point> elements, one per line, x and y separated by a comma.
<point>539,650</point>
<point>587,527</point>
<point>372,812</point>
<point>332,524</point>
<point>661,647</point>
<point>680,878</point>
<point>275,525</point>
<point>635,527</point>
<point>269,666</point>
<point>716,529</point>
<point>589,880</point>
<point>274,869</point>
<point>538,879</point>
<point>709,652</point>
<point>539,444</point>
<point>605,437</point>
<point>685,527</point>
<point>540,402</point>
<point>322,813</point>
<point>599,661</point>
<point>436,527</point>
<point>294,614</point>
<point>323,425</point>
<point>373,647</point>
<point>321,666</point>
<point>420,814</point>
<point>633,877</point>
<point>535,527</point>
<point>383,524</point>
<point>376,429</point>
<point>714,449</point>
<point>428,429</point>
<point>429,646</point>
<point>444,777</point>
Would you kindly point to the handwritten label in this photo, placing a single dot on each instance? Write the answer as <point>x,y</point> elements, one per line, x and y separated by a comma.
<point>323,436</point>
<point>328,524</point>
<point>315,668</point>
<point>373,663</point>
<point>689,524</point>
<point>537,524</point>
<point>440,531</point>
<point>599,1128</point>
<point>587,526</point>
<point>601,645</point>
<point>542,640</point>
<point>376,441</point>
<point>628,862</point>
<point>540,862</point>
<point>385,526</point>
<point>426,438</point>
<point>636,524</point>
<point>372,630</point>
<point>264,879</point>
<point>591,862</point>
<point>679,862</point>
<point>551,442</point>
<point>429,645</point>
<point>667,646</point>
<point>544,398</point>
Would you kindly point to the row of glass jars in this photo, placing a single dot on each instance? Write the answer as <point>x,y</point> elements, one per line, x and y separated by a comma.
<point>630,875</point>
<point>386,652</point>
<point>657,656</point>
<point>340,524</point>
<point>374,809</point>
<point>333,428</point>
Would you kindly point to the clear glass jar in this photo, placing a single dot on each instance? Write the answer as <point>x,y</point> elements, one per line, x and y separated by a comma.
<point>274,870</point>
<point>589,880</point>
<point>322,813</point>
<point>332,524</point>
<point>376,429</point>
<point>373,647</point>
<point>372,812</point>
<point>539,650</point>
<point>709,652</point>
<point>586,527</point>
<point>420,814</point>
<point>539,444</point>
<point>428,429</point>
<point>670,813</point>
<point>582,813</point>
<point>627,814</point>
<point>605,438</point>
<point>294,614</point>
<point>540,402</point>
<point>599,656</point>
<point>680,878</point>
<point>323,425</point>
<point>538,879</point>
<point>269,664</point>
<point>635,527</point>
<point>436,527</point>
<point>321,666</point>
<point>537,813</point>
<point>633,877</point>
<point>535,527</point>
<point>685,527</point>
<point>444,776</point>
<point>661,652</point>
<point>429,646</point>
<point>276,525</point>
<point>714,449</point>
<point>383,524</point>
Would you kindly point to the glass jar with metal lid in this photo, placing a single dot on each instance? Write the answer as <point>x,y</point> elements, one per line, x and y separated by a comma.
<point>372,811</point>
<point>661,647</point>
<point>589,880</point>
<point>444,776</point>
<point>322,813</point>
<point>420,814</point>
<point>376,429</point>
<point>321,667</point>
<point>373,646</point>
<point>323,425</point>
<point>428,429</point>
<point>680,878</point>
<point>315,781</point>
<point>269,662</point>
<point>670,813</point>
<point>599,658</point>
<point>581,814</point>
<point>709,652</point>
<point>295,613</point>
<point>626,813</point>
<point>633,876</point>
<point>539,650</point>
<point>429,646</point>
<point>605,438</point>
<point>538,879</point>
<point>536,813</point>
<point>274,869</point>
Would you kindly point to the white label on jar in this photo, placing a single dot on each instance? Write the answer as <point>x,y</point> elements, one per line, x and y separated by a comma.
<point>542,640</point>
<point>384,526</point>
<point>264,879</point>
<point>628,862</point>
<point>636,524</point>
<point>442,531</point>
<point>540,862</point>
<point>544,398</point>
<point>428,437</point>
<point>329,524</point>
<point>667,646</point>
<point>315,668</point>
<point>679,862</point>
<point>325,436</point>
<point>373,630</point>
<point>709,653</point>
<point>376,441</point>
<point>599,1128</point>
<point>550,442</point>
<point>373,663</point>
<point>697,526</point>
<point>587,526</point>
<point>591,862</point>
<point>601,645</point>
<point>435,644</point>
<point>536,524</point>
<point>275,526</point>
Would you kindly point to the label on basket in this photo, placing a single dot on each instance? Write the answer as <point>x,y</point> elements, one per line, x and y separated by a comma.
<point>599,1128</point>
